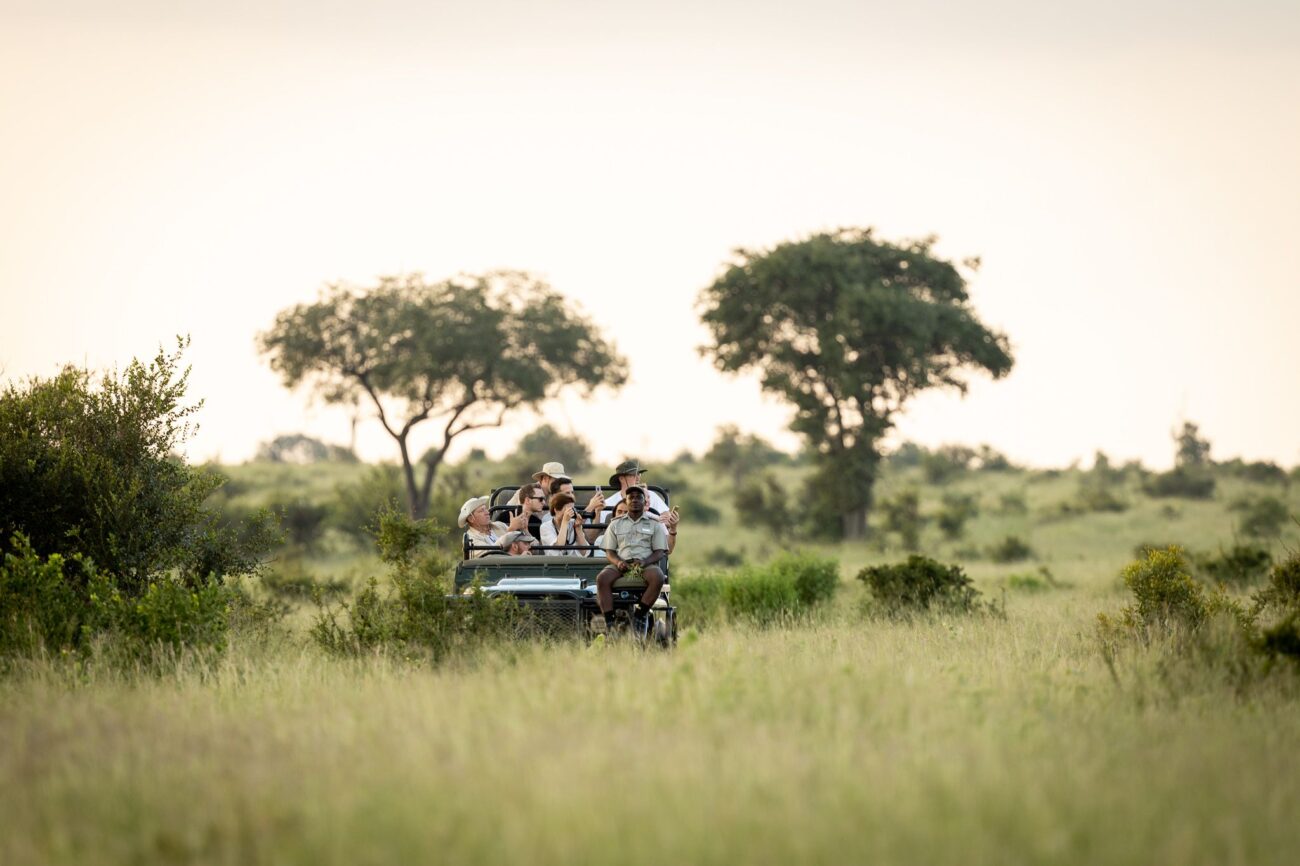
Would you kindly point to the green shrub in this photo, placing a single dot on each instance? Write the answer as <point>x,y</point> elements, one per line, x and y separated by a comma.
<point>1010,549</point>
<point>947,462</point>
<point>417,616</point>
<point>698,597</point>
<point>1238,565</point>
<point>697,511</point>
<point>57,605</point>
<point>920,584</point>
<point>1185,482</point>
<point>902,516</point>
<point>1014,503</point>
<point>1282,594</point>
<point>815,578</point>
<point>357,503</point>
<point>1262,517</point>
<point>1164,594</point>
<point>721,557</point>
<point>1034,581</point>
<point>789,587</point>
<point>761,596</point>
<point>88,469</point>
<point>957,509</point>
<point>765,504</point>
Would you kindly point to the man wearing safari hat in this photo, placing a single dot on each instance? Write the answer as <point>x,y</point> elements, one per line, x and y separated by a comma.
<point>628,474</point>
<point>479,526</point>
<point>548,473</point>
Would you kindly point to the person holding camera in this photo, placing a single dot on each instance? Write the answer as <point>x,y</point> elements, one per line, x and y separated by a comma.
<point>563,528</point>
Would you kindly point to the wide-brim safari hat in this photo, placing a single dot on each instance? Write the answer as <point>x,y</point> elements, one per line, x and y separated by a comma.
<point>471,505</point>
<point>552,469</point>
<point>627,467</point>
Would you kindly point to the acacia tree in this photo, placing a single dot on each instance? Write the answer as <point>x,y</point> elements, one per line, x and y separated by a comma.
<point>847,328</point>
<point>462,352</point>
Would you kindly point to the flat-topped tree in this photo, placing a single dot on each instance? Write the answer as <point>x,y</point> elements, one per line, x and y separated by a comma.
<point>461,352</point>
<point>847,328</point>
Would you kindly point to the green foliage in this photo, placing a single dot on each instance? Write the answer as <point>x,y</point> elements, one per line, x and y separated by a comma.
<point>1239,565</point>
<point>1191,448</point>
<point>1010,549</point>
<point>543,445</point>
<point>957,509</point>
<point>791,586</point>
<point>695,510</point>
<point>918,585</point>
<point>1261,517</point>
<point>947,463</point>
<point>357,503</point>
<point>1191,477</point>
<point>1183,482</point>
<point>299,448</point>
<point>742,454</point>
<point>1164,594</point>
<point>847,328</point>
<point>1282,593</point>
<point>1035,581</point>
<point>1098,487</point>
<point>902,516</point>
<point>417,616</point>
<point>464,351</point>
<point>60,604</point>
<point>1013,503</point>
<point>1256,472</point>
<point>88,469</point>
<point>761,501</point>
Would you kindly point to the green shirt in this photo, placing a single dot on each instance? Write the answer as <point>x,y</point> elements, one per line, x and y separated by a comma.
<point>635,539</point>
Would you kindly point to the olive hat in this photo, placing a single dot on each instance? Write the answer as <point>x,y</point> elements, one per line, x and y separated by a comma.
<point>627,467</point>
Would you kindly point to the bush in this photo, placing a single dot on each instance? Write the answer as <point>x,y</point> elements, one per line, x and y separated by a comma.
<point>694,510</point>
<point>88,470</point>
<point>1185,482</point>
<point>60,605</point>
<point>1165,595</point>
<point>920,584</point>
<point>765,504</point>
<point>1239,565</point>
<point>699,597</point>
<point>1037,581</point>
<point>1259,472</point>
<point>418,615</point>
<point>357,503</point>
<point>947,462</point>
<point>789,587</point>
<point>902,516</point>
<point>1262,517</point>
<point>1282,594</point>
<point>1010,549</point>
<point>957,509</point>
<point>1011,504</point>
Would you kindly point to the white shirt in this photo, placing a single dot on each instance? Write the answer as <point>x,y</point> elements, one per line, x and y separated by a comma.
<point>551,535</point>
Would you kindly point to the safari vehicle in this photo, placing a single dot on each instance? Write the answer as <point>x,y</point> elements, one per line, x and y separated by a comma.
<point>559,592</point>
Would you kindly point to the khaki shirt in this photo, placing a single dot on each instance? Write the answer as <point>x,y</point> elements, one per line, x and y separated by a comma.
<point>492,536</point>
<point>635,539</point>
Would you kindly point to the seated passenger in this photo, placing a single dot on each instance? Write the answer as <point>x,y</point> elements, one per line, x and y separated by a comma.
<point>669,525</point>
<point>545,477</point>
<point>619,511</point>
<point>589,514</point>
<point>627,474</point>
<point>563,528</point>
<point>517,543</point>
<point>636,538</point>
<point>532,511</point>
<point>479,526</point>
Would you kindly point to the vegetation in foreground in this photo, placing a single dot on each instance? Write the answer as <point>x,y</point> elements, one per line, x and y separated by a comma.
<point>804,717</point>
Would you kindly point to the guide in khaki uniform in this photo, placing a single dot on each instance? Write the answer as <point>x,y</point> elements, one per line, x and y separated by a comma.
<point>636,538</point>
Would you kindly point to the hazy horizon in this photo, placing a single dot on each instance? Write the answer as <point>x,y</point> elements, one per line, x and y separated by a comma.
<point>1126,173</point>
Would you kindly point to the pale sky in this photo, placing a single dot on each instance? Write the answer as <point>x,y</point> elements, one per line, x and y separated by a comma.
<point>1129,172</point>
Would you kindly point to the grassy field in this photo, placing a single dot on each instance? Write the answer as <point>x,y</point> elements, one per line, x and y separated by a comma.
<point>842,739</point>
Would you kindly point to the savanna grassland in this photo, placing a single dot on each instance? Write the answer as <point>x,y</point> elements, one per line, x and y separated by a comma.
<point>837,736</point>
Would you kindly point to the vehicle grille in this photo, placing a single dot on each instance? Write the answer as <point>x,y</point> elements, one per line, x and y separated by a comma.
<point>550,618</point>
